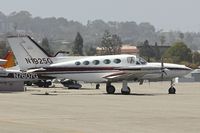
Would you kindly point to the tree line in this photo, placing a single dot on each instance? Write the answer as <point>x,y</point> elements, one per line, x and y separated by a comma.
<point>108,35</point>
<point>62,29</point>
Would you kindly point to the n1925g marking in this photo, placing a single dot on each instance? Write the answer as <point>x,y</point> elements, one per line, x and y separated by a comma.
<point>38,61</point>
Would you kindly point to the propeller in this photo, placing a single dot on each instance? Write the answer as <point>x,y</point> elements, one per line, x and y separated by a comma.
<point>163,72</point>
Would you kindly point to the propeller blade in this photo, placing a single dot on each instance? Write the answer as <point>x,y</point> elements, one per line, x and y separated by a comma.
<point>162,69</point>
<point>162,64</point>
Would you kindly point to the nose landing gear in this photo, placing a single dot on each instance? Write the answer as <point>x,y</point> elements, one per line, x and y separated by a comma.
<point>172,89</point>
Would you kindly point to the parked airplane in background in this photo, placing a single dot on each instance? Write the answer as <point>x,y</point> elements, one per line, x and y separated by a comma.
<point>9,60</point>
<point>7,74</point>
<point>109,68</point>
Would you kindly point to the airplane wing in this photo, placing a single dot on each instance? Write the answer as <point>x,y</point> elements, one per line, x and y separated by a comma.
<point>133,73</point>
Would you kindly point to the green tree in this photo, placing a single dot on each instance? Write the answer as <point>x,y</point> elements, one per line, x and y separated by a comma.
<point>196,58</point>
<point>3,49</point>
<point>78,45</point>
<point>147,51</point>
<point>111,43</point>
<point>46,46</point>
<point>178,53</point>
<point>157,52</point>
<point>89,50</point>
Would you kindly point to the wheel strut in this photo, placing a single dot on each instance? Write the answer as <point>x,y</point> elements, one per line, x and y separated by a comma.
<point>125,89</point>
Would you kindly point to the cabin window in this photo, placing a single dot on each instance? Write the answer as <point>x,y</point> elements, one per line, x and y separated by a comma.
<point>96,62</point>
<point>117,61</point>
<point>78,63</point>
<point>106,61</point>
<point>86,62</point>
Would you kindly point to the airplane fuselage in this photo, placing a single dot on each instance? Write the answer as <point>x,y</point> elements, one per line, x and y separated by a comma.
<point>97,68</point>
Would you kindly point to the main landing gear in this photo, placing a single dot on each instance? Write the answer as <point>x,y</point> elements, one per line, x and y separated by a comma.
<point>125,89</point>
<point>172,89</point>
<point>111,89</point>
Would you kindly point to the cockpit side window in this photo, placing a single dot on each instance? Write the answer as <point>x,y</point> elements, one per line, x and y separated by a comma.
<point>131,60</point>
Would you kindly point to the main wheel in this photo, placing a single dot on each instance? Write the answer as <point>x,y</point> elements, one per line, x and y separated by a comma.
<point>126,91</point>
<point>172,90</point>
<point>110,89</point>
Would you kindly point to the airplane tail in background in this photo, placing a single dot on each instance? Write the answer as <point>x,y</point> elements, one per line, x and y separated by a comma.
<point>28,53</point>
<point>10,60</point>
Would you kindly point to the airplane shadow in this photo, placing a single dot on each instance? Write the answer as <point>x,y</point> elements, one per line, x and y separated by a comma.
<point>11,92</point>
<point>138,94</point>
<point>83,89</point>
<point>55,93</point>
<point>43,94</point>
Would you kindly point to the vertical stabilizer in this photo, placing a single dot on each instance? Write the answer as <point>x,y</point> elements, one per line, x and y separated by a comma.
<point>28,53</point>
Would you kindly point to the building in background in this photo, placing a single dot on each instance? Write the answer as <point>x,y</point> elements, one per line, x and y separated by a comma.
<point>125,49</point>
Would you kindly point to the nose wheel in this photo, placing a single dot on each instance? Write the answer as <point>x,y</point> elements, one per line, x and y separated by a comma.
<point>172,89</point>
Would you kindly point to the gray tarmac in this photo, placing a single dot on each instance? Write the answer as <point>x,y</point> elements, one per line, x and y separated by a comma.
<point>149,109</point>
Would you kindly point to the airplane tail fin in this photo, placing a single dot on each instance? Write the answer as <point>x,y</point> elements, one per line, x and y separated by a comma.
<point>29,54</point>
<point>10,60</point>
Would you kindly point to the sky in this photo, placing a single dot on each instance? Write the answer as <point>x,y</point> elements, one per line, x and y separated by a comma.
<point>166,15</point>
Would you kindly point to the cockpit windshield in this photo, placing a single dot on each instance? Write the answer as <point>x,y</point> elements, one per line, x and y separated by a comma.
<point>136,60</point>
<point>142,61</point>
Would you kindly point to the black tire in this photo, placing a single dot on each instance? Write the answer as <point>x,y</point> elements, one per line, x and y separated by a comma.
<point>110,89</point>
<point>126,92</point>
<point>172,90</point>
<point>46,84</point>
<point>29,83</point>
<point>97,86</point>
<point>49,83</point>
<point>40,84</point>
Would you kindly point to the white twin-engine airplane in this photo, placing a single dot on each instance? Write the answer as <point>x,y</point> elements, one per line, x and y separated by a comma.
<point>109,68</point>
